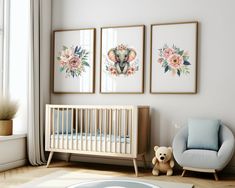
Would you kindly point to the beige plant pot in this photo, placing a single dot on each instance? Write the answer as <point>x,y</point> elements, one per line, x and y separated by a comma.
<point>5,127</point>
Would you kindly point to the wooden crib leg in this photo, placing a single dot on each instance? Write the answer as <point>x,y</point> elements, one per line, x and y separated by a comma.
<point>144,160</point>
<point>69,157</point>
<point>49,158</point>
<point>135,167</point>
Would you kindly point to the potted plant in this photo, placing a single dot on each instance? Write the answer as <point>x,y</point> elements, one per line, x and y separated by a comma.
<point>8,109</point>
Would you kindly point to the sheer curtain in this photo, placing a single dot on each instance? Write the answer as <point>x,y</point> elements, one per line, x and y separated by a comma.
<point>36,102</point>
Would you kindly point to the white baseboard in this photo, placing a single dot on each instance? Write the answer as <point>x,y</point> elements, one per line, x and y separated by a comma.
<point>15,164</point>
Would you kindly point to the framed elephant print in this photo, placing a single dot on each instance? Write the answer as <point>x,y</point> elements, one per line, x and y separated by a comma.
<point>122,59</point>
<point>74,61</point>
<point>174,58</point>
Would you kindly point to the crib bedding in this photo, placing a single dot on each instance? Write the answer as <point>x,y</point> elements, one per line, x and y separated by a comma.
<point>91,137</point>
<point>83,142</point>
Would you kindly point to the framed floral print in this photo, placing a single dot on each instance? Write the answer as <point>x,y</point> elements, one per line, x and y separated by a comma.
<point>122,59</point>
<point>74,61</point>
<point>174,58</point>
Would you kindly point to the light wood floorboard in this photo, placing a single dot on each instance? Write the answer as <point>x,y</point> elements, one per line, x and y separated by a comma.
<point>15,177</point>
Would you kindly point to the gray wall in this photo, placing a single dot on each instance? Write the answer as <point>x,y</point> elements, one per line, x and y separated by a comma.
<point>216,95</point>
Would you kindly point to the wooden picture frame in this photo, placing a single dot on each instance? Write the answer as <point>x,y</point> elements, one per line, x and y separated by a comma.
<point>74,61</point>
<point>173,58</point>
<point>122,59</point>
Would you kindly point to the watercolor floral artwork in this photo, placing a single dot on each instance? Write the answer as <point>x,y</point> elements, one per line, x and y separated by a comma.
<point>122,60</point>
<point>174,60</point>
<point>73,61</point>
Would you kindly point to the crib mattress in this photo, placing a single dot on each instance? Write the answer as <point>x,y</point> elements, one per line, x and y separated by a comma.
<point>88,142</point>
<point>92,137</point>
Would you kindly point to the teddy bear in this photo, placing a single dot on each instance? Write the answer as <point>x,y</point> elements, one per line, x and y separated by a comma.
<point>163,161</point>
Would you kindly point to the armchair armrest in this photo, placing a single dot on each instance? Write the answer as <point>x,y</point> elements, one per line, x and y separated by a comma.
<point>180,143</point>
<point>227,147</point>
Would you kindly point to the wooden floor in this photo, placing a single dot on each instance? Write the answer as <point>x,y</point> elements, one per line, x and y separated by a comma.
<point>18,176</point>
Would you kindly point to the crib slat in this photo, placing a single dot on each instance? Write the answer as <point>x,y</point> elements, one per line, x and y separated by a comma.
<point>53,127</point>
<point>81,131</point>
<point>62,128</point>
<point>71,138</point>
<point>67,129</point>
<point>90,127</point>
<point>115,136</point>
<point>57,126</point>
<point>119,129</point>
<point>86,128</point>
<point>110,128</point>
<point>96,122</point>
<point>125,127</point>
<point>101,121</point>
<point>105,130</point>
<point>130,132</point>
<point>76,127</point>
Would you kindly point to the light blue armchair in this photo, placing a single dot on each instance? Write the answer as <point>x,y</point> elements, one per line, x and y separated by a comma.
<point>200,159</point>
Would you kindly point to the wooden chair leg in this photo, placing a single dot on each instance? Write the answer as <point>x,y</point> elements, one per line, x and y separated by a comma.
<point>183,173</point>
<point>216,177</point>
<point>144,160</point>
<point>69,157</point>
<point>135,167</point>
<point>49,158</point>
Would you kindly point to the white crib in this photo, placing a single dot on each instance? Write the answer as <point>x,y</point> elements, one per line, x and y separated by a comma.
<point>113,131</point>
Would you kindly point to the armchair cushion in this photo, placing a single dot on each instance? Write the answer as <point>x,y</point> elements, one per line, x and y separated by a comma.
<point>203,134</point>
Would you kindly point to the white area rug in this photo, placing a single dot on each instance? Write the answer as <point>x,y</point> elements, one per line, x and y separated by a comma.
<point>65,179</point>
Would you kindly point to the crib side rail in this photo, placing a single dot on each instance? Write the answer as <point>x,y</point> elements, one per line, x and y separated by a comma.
<point>88,129</point>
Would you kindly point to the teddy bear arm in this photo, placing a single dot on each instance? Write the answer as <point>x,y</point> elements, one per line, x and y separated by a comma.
<point>154,161</point>
<point>172,163</point>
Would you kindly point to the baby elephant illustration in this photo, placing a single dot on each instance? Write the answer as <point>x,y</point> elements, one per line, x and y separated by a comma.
<point>122,56</point>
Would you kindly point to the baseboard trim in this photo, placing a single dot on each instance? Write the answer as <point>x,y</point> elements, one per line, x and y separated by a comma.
<point>11,165</point>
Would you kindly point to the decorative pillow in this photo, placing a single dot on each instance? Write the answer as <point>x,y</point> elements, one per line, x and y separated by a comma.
<point>65,121</point>
<point>203,134</point>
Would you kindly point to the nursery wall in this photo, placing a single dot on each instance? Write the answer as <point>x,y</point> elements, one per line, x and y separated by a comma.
<point>216,91</point>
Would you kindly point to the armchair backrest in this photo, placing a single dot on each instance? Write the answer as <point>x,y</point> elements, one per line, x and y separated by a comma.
<point>224,134</point>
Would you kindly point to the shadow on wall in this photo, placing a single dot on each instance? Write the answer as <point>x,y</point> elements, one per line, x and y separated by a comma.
<point>154,135</point>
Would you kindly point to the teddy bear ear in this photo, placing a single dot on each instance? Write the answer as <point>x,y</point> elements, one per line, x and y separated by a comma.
<point>170,148</point>
<point>155,148</point>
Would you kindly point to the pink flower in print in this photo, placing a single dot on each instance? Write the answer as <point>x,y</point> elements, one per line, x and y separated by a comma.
<point>175,61</point>
<point>168,52</point>
<point>160,60</point>
<point>74,63</point>
<point>67,54</point>
<point>113,71</point>
<point>62,63</point>
<point>131,71</point>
